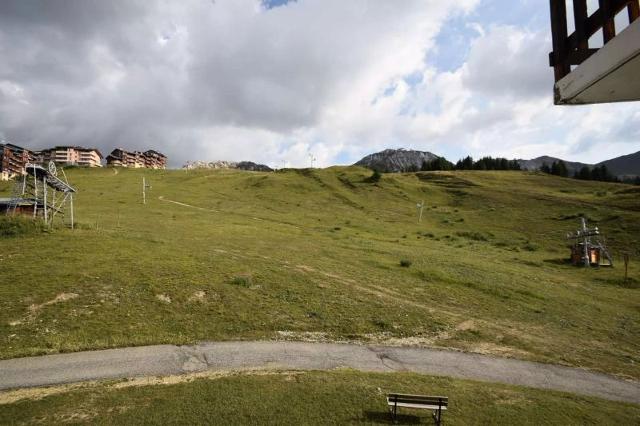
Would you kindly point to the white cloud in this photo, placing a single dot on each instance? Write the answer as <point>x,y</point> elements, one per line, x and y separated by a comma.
<point>231,80</point>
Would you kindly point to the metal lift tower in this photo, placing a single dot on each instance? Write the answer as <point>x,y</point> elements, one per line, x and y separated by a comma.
<point>42,193</point>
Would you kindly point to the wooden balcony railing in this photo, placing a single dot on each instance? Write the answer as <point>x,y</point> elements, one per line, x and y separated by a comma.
<point>573,49</point>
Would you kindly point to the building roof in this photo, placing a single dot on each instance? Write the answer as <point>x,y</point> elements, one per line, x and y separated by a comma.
<point>13,147</point>
<point>76,147</point>
<point>5,201</point>
<point>151,151</point>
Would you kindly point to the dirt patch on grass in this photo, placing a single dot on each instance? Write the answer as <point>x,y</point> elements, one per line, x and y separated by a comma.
<point>387,340</point>
<point>338,277</point>
<point>488,348</point>
<point>163,298</point>
<point>9,397</point>
<point>34,309</point>
<point>62,297</point>
<point>466,325</point>
<point>304,336</point>
<point>212,375</point>
<point>13,396</point>
<point>198,296</point>
<point>76,417</point>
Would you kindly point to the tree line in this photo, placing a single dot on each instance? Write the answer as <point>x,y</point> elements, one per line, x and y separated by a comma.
<point>557,168</point>
<point>601,172</point>
<point>467,163</point>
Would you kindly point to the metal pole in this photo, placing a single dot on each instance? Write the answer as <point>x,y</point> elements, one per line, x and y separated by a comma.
<point>46,217</point>
<point>585,243</point>
<point>71,200</point>
<point>421,207</point>
<point>626,266</point>
<point>35,192</point>
<point>144,195</point>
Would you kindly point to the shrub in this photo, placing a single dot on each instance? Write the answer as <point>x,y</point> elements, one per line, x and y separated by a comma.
<point>380,323</point>
<point>405,263</point>
<point>375,177</point>
<point>475,236</point>
<point>14,226</point>
<point>242,280</point>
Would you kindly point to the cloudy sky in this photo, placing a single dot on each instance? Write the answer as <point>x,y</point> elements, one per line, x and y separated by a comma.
<point>272,81</point>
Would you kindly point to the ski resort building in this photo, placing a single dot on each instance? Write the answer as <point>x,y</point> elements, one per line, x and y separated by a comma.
<point>154,159</point>
<point>13,160</point>
<point>149,159</point>
<point>70,155</point>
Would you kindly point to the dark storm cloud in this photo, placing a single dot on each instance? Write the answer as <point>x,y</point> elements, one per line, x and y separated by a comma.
<point>137,74</point>
<point>151,73</point>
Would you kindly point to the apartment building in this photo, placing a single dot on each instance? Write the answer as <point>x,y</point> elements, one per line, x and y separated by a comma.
<point>121,158</point>
<point>154,159</point>
<point>13,160</point>
<point>149,159</point>
<point>70,155</point>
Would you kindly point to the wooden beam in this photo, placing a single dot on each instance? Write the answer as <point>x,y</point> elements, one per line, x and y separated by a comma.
<point>559,35</point>
<point>573,49</point>
<point>575,57</point>
<point>596,20</point>
<point>608,22</point>
<point>580,18</point>
<point>633,10</point>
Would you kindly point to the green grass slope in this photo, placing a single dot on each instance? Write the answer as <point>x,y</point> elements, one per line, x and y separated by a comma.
<point>305,398</point>
<point>315,254</point>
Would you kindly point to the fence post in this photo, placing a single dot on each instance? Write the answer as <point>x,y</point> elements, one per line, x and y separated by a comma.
<point>626,266</point>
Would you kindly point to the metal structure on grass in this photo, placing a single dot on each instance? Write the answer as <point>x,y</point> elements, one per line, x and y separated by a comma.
<point>589,247</point>
<point>145,186</point>
<point>40,193</point>
<point>420,207</point>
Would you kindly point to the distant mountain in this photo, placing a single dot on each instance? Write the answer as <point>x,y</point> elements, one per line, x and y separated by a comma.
<point>626,165</point>
<point>242,165</point>
<point>536,163</point>
<point>396,160</point>
<point>405,160</point>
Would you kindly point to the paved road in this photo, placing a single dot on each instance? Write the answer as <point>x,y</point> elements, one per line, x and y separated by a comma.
<point>169,360</point>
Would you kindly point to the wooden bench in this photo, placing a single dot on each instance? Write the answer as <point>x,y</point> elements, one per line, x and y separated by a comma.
<point>437,404</point>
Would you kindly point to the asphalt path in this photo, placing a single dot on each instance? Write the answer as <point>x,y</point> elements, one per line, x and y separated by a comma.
<point>164,360</point>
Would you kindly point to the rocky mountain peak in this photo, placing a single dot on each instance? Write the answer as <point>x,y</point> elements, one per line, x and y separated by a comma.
<point>396,160</point>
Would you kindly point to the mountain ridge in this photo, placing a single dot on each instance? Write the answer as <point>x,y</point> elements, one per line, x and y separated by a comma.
<point>407,160</point>
<point>396,160</point>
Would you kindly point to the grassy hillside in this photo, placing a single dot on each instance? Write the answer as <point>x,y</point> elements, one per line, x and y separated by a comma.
<point>304,398</point>
<point>315,254</point>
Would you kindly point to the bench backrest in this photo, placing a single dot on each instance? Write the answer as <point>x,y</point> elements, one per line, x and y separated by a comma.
<point>401,398</point>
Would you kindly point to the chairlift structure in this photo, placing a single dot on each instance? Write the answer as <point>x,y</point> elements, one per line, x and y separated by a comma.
<point>42,194</point>
<point>589,247</point>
